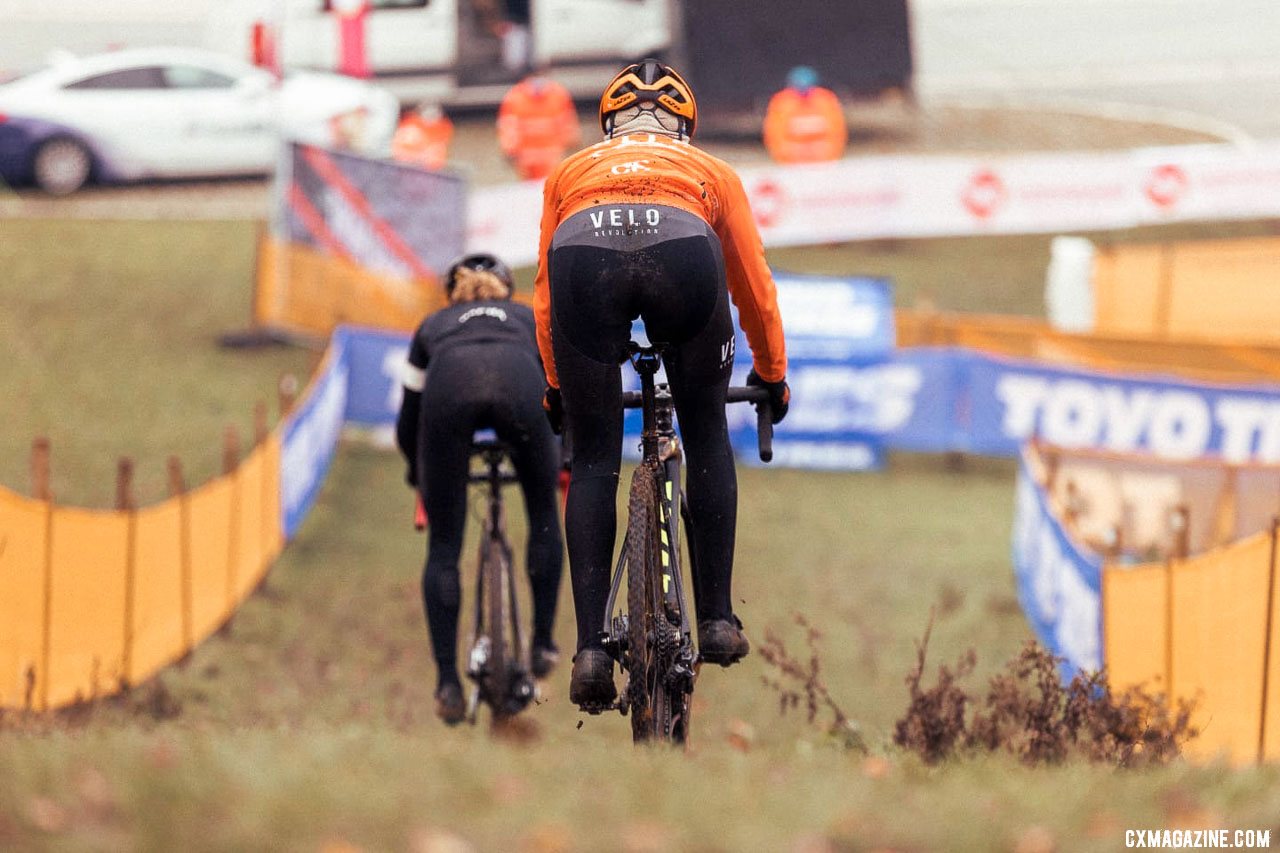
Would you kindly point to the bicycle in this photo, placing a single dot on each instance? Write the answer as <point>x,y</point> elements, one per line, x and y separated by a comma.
<point>652,641</point>
<point>499,659</point>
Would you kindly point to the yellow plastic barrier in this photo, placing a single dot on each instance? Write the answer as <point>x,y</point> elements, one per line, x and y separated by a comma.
<point>88,565</point>
<point>1205,290</point>
<point>1219,611</point>
<point>210,528</point>
<point>249,558</point>
<point>1117,350</point>
<point>159,630</point>
<point>1130,288</point>
<point>23,566</point>
<point>1270,747</point>
<point>1200,627</point>
<point>272,524</point>
<point>1135,626</point>
<point>303,290</point>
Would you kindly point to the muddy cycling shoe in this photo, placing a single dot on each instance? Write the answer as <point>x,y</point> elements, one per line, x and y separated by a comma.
<point>450,706</point>
<point>542,660</point>
<point>591,687</point>
<point>721,641</point>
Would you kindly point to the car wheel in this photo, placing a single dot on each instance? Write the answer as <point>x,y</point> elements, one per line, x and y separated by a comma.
<point>62,166</point>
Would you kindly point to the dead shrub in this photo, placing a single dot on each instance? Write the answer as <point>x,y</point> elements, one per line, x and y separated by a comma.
<point>934,724</point>
<point>799,682</point>
<point>1029,713</point>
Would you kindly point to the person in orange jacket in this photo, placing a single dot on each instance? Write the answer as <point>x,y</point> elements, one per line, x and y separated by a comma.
<point>645,224</point>
<point>805,122</point>
<point>422,137</point>
<point>537,124</point>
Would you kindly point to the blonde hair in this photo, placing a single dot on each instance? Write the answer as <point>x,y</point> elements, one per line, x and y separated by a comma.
<point>476,285</point>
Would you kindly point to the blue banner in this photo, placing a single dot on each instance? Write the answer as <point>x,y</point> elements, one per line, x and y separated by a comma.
<point>829,319</point>
<point>974,402</point>
<point>311,435</point>
<point>377,360</point>
<point>1059,583</point>
<point>846,394</point>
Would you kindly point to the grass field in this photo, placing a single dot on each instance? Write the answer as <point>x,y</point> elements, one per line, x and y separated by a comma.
<point>308,725</point>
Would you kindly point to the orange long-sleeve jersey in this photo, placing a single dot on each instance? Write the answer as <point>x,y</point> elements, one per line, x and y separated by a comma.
<point>805,127</point>
<point>646,168</point>
<point>537,124</point>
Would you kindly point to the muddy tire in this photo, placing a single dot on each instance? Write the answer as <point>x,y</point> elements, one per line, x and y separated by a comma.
<point>497,596</point>
<point>642,572</point>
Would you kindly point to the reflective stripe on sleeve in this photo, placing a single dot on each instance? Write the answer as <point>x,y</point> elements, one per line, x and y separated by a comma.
<point>414,378</point>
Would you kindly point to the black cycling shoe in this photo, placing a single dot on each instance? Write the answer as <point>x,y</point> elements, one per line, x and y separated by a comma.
<point>543,659</point>
<point>591,686</point>
<point>450,706</point>
<point>721,641</point>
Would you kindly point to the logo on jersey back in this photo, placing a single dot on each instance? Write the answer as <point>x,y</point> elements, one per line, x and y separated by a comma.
<point>483,311</point>
<point>624,221</point>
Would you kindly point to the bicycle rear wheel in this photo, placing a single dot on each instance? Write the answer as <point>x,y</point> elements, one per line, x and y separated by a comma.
<point>504,654</point>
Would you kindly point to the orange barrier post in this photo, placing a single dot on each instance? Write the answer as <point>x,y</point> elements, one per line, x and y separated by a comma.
<point>1268,630</point>
<point>231,469</point>
<point>40,489</point>
<point>125,503</point>
<point>287,392</point>
<point>178,491</point>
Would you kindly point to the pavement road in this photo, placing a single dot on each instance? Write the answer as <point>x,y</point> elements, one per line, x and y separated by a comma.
<point>1206,57</point>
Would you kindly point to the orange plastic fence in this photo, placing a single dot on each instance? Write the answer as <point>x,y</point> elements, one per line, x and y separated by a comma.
<point>1118,350</point>
<point>1201,629</point>
<point>1202,624</point>
<point>1204,290</point>
<point>24,525</point>
<point>303,290</point>
<point>94,600</point>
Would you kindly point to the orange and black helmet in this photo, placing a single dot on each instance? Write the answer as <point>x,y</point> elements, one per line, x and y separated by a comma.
<point>649,81</point>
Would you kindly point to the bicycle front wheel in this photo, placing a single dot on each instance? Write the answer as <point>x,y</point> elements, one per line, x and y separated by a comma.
<point>652,639</point>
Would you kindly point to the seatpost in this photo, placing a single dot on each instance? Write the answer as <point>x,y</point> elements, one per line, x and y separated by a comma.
<point>494,460</point>
<point>647,363</point>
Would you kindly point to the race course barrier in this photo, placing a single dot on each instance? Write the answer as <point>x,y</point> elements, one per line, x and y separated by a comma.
<point>92,601</point>
<point>906,196</point>
<point>1194,625</point>
<point>1195,290</point>
<point>355,240</point>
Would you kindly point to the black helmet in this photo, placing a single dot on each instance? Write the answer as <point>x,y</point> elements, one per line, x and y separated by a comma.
<point>482,262</point>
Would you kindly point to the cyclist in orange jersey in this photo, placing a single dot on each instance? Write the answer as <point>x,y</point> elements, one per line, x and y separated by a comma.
<point>805,122</point>
<point>537,124</point>
<point>644,224</point>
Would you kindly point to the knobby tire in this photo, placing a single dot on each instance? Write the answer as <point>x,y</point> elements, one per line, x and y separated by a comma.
<point>496,579</point>
<point>642,547</point>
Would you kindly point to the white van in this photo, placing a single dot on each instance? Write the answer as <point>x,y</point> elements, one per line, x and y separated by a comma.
<point>457,51</point>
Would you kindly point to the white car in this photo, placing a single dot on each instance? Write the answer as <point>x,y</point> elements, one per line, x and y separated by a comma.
<point>175,112</point>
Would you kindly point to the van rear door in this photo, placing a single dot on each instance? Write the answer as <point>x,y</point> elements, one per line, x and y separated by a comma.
<point>400,35</point>
<point>578,30</point>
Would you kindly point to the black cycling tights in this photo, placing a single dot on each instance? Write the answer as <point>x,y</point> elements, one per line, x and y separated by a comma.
<point>455,403</point>
<point>669,270</point>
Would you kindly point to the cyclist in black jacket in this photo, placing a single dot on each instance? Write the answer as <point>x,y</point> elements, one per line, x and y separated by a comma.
<point>475,365</point>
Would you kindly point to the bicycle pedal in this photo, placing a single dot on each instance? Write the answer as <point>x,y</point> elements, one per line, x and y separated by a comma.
<point>596,709</point>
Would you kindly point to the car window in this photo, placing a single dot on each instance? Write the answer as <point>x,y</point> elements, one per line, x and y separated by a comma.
<point>150,77</point>
<point>194,77</point>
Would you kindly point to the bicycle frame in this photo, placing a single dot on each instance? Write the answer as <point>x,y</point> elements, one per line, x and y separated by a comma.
<point>493,534</point>
<point>661,446</point>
